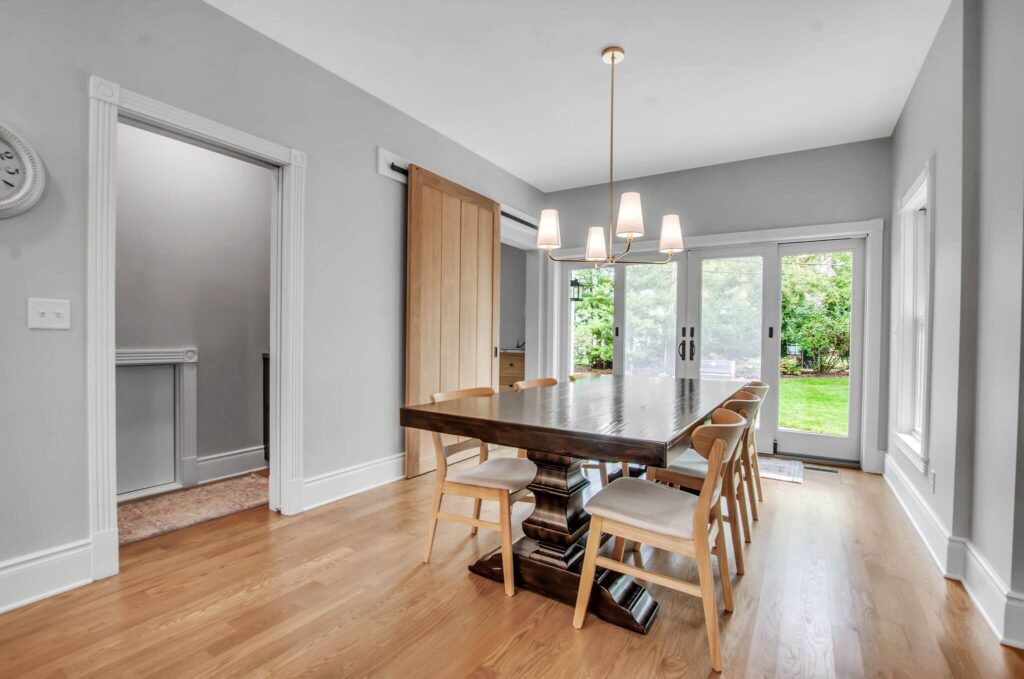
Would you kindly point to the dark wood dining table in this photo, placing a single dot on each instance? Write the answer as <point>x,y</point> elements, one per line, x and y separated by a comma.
<point>637,420</point>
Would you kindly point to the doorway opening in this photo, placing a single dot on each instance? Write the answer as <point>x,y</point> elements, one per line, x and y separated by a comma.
<point>109,104</point>
<point>192,331</point>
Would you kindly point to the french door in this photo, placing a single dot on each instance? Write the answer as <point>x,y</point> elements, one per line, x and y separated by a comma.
<point>790,315</point>
<point>821,303</point>
<point>730,332</point>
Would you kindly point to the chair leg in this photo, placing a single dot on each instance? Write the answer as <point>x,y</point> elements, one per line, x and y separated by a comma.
<point>723,560</point>
<point>435,507</point>
<point>476,514</point>
<point>521,453</point>
<point>707,594</point>
<point>748,473</point>
<point>587,575</point>
<point>734,521</point>
<point>625,470</point>
<point>741,496</point>
<point>505,510</point>
<point>756,464</point>
<point>603,470</point>
<point>620,548</point>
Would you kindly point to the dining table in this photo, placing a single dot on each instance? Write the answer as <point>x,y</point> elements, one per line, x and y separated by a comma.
<point>638,420</point>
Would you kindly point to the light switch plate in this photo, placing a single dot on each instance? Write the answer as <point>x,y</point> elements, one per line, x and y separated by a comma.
<point>49,314</point>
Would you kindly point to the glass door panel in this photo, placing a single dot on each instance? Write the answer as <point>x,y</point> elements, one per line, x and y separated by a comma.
<point>728,333</point>
<point>650,320</point>
<point>591,321</point>
<point>731,304</point>
<point>819,364</point>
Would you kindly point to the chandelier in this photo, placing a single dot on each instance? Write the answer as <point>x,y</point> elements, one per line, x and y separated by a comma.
<point>630,224</point>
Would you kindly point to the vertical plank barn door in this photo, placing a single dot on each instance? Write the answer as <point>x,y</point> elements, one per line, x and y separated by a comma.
<point>453,257</point>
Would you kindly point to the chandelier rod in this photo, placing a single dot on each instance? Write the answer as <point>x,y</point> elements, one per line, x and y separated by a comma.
<point>611,159</point>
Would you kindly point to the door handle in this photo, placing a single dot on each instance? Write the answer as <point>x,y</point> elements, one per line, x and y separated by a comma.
<point>681,350</point>
<point>692,345</point>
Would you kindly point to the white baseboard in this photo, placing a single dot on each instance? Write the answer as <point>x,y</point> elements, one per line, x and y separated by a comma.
<point>959,559</point>
<point>332,486</point>
<point>1002,608</point>
<point>931,529</point>
<point>230,463</point>
<point>42,574</point>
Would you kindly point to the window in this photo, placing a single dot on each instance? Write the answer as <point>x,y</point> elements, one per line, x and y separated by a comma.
<point>912,323</point>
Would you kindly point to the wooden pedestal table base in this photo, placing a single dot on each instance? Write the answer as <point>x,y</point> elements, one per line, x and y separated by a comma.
<point>549,559</point>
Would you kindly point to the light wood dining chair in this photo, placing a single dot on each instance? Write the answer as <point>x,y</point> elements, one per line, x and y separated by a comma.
<point>644,511</point>
<point>522,385</point>
<point>502,480</point>
<point>601,467</point>
<point>759,389</point>
<point>689,471</point>
<point>533,384</point>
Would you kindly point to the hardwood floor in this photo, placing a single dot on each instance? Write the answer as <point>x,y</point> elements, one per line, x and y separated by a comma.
<point>837,583</point>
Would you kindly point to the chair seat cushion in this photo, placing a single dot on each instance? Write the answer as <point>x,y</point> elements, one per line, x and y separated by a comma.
<point>504,473</point>
<point>690,463</point>
<point>647,505</point>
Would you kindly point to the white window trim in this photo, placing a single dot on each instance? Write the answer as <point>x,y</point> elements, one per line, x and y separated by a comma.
<point>919,195</point>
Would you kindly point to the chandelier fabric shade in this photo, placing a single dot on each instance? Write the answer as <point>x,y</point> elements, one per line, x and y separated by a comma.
<point>671,240</point>
<point>596,251</point>
<point>630,222</point>
<point>548,234</point>
<point>631,216</point>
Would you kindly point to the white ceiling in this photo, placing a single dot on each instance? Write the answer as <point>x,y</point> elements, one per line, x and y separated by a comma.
<point>704,82</point>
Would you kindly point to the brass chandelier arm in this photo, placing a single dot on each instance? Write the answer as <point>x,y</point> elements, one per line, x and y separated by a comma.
<point>616,259</point>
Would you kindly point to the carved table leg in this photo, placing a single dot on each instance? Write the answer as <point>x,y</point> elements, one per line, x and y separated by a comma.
<point>548,560</point>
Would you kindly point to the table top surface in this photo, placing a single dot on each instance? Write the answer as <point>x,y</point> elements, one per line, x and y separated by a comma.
<point>614,418</point>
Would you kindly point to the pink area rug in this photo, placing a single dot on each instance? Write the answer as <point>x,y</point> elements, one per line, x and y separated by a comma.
<point>152,516</point>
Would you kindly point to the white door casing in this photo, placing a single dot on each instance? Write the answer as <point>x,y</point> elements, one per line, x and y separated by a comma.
<point>107,103</point>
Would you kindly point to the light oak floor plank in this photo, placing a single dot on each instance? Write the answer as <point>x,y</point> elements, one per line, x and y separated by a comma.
<point>837,584</point>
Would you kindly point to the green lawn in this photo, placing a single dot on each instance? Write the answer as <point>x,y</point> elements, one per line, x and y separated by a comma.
<point>816,404</point>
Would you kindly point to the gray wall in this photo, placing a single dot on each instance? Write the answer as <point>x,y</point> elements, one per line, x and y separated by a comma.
<point>513,296</point>
<point>843,183</point>
<point>931,126</point>
<point>192,56</point>
<point>998,464</point>
<point>193,269</point>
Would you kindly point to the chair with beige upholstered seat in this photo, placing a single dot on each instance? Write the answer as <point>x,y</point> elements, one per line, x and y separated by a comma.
<point>533,384</point>
<point>759,389</point>
<point>689,469</point>
<point>635,509</point>
<point>523,385</point>
<point>601,467</point>
<point>502,480</point>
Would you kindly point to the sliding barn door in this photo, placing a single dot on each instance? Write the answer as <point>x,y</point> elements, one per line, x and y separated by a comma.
<point>452,273</point>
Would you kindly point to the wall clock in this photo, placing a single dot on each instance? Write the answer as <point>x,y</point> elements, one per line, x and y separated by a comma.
<point>22,176</point>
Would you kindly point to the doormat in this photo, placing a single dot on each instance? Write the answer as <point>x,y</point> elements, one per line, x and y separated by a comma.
<point>152,516</point>
<point>781,470</point>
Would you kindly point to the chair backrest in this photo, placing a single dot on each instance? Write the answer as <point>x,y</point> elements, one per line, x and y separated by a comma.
<point>715,442</point>
<point>584,376</point>
<point>539,382</point>
<point>442,451</point>
<point>748,402</point>
<point>757,388</point>
<point>747,405</point>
